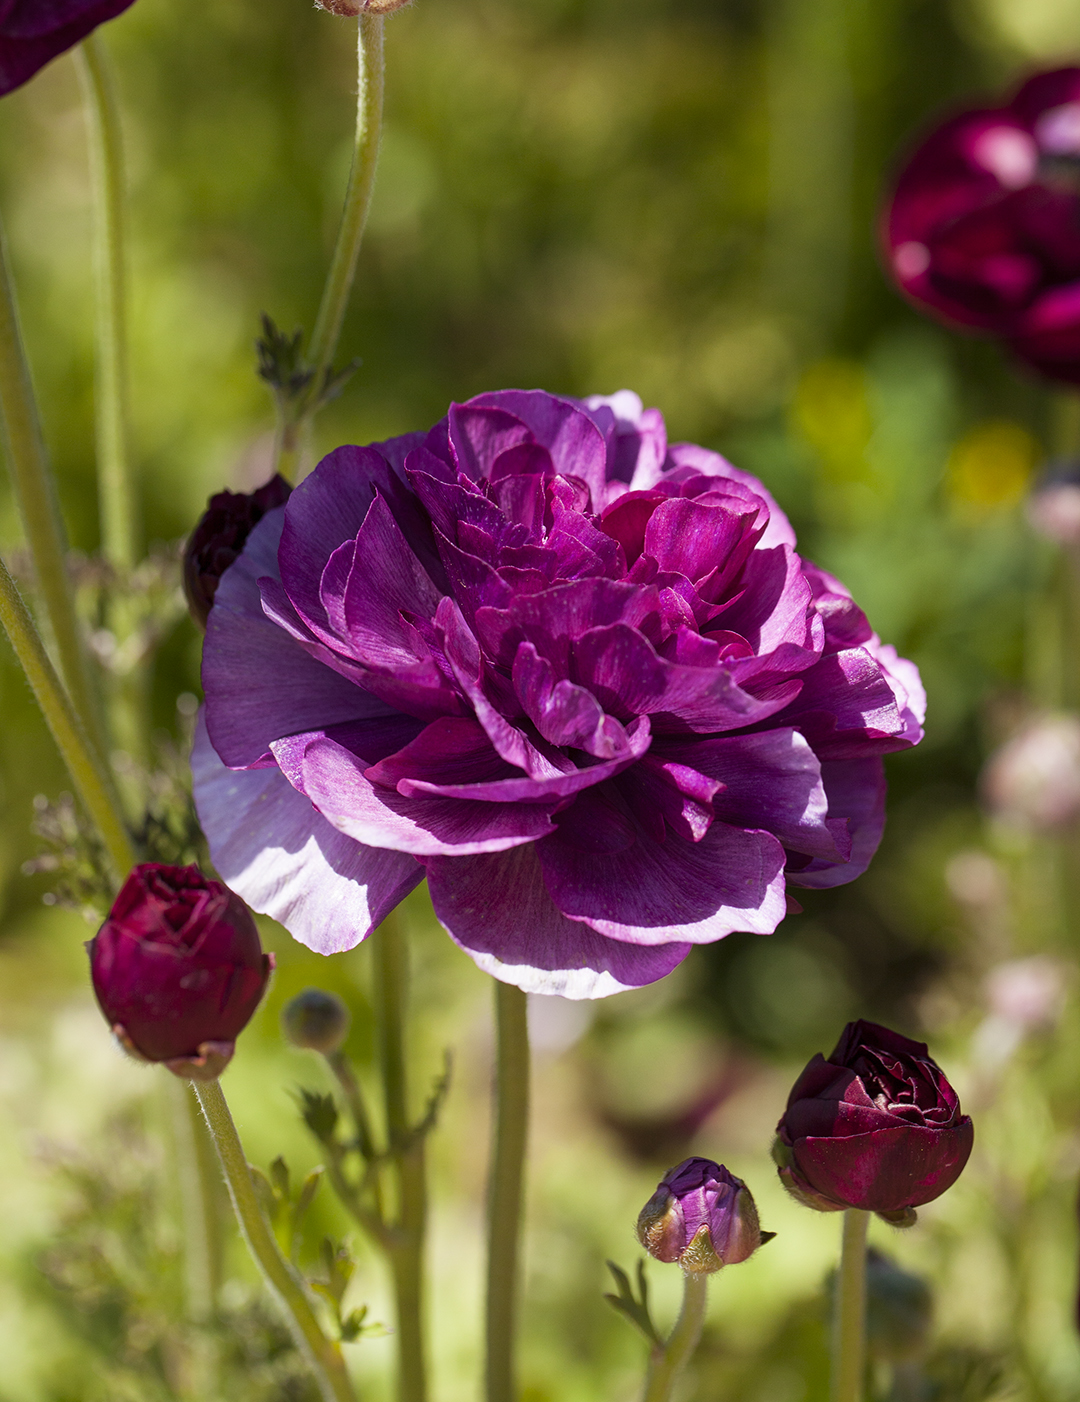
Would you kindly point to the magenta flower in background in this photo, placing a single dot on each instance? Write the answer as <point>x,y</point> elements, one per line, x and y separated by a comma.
<point>577,678</point>
<point>34,32</point>
<point>877,1126</point>
<point>701,1216</point>
<point>178,968</point>
<point>982,229</point>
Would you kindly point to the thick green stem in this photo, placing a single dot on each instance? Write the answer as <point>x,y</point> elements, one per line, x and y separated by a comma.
<point>668,1362</point>
<point>323,1355</point>
<point>197,1181</point>
<point>35,493</point>
<point>115,490</point>
<point>406,1251</point>
<point>849,1312</point>
<point>505,1190</point>
<point>91,779</point>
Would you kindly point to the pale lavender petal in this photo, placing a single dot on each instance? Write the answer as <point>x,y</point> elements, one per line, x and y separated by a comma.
<point>498,910</point>
<point>903,677</point>
<point>653,892</point>
<point>274,850</point>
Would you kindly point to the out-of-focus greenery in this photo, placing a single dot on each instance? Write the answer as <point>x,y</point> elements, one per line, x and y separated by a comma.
<point>677,196</point>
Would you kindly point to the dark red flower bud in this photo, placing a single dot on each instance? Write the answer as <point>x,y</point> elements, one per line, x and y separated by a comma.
<point>876,1126</point>
<point>218,539</point>
<point>178,968</point>
<point>701,1216</point>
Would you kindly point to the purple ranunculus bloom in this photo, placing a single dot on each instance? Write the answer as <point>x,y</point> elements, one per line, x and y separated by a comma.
<point>701,1216</point>
<point>34,32</point>
<point>576,677</point>
<point>876,1126</point>
<point>178,968</point>
<point>982,228</point>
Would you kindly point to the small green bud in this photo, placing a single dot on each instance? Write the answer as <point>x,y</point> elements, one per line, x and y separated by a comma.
<point>316,1020</point>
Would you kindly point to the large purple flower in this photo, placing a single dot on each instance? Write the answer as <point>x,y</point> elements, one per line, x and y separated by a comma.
<point>577,678</point>
<point>983,227</point>
<point>33,32</point>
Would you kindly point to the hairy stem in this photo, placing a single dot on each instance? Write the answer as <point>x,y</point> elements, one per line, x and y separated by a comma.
<point>323,1355</point>
<point>92,781</point>
<point>505,1190</point>
<point>668,1362</point>
<point>406,1251</point>
<point>849,1317</point>
<point>35,493</point>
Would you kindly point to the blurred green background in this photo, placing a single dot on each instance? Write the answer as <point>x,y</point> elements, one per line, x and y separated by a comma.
<point>678,196</point>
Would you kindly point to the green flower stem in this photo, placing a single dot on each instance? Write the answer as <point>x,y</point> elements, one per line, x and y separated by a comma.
<point>849,1314</point>
<point>116,494</point>
<point>293,431</point>
<point>323,1355</point>
<point>35,492</point>
<point>669,1361</point>
<point>505,1191</point>
<point>406,1242</point>
<point>197,1180</point>
<point>88,774</point>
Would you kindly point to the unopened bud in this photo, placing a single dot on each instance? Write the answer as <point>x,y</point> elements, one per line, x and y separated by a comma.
<point>316,1020</point>
<point>701,1216</point>
<point>218,539</point>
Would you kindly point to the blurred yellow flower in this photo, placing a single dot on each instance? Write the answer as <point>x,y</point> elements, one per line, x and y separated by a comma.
<point>990,467</point>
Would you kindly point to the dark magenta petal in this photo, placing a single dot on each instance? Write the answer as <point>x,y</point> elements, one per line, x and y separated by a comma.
<point>33,32</point>
<point>259,682</point>
<point>499,910</point>
<point>846,707</point>
<point>856,794</point>
<point>286,861</point>
<point>687,458</point>
<point>888,1169</point>
<point>479,436</point>
<point>565,429</point>
<point>651,892</point>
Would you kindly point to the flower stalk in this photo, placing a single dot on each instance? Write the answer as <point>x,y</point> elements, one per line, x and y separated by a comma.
<point>668,1362</point>
<point>39,507</point>
<point>505,1190</point>
<point>849,1316</point>
<point>323,1355</point>
<point>295,418</point>
<point>405,1242</point>
<point>91,779</point>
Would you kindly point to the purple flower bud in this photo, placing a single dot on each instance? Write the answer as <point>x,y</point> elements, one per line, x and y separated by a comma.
<point>982,231</point>
<point>876,1126</point>
<point>32,33</point>
<point>218,539</point>
<point>701,1216</point>
<point>178,968</point>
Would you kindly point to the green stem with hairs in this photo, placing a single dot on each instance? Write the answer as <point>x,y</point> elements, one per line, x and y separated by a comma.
<point>849,1312</point>
<point>510,1133</point>
<point>92,781</point>
<point>406,1240</point>
<point>323,1355</point>
<point>293,429</point>
<point>669,1361</point>
<point>39,507</point>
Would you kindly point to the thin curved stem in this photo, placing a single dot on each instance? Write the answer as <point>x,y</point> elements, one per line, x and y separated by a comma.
<point>505,1190</point>
<point>88,774</point>
<point>849,1318</point>
<point>39,507</point>
<point>669,1362</point>
<point>115,489</point>
<point>406,1248</point>
<point>323,1356</point>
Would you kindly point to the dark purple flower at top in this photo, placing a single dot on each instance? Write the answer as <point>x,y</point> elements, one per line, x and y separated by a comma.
<point>218,539</point>
<point>982,229</point>
<point>876,1126</point>
<point>178,968</point>
<point>33,32</point>
<point>577,678</point>
<point>701,1216</point>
